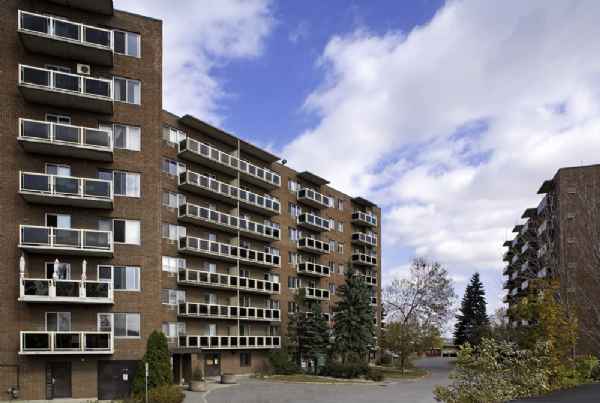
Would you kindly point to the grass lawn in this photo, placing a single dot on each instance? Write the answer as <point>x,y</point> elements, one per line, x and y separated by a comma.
<point>396,373</point>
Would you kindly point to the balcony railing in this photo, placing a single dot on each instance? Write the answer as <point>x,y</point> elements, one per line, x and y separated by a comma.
<point>313,269</point>
<point>360,217</point>
<point>369,279</point>
<point>313,245</point>
<point>316,293</point>
<point>72,40</point>
<point>313,198</point>
<point>227,252</point>
<point>60,89</point>
<point>364,259</point>
<point>204,153</point>
<point>198,183</point>
<point>226,281</point>
<point>65,140</point>
<point>65,190</point>
<point>364,239</point>
<point>195,213</point>
<point>65,291</point>
<point>215,311</point>
<point>65,240</point>
<point>46,342</point>
<point>229,342</point>
<point>314,222</point>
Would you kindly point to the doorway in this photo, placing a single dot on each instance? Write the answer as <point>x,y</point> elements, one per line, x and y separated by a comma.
<point>212,364</point>
<point>58,380</point>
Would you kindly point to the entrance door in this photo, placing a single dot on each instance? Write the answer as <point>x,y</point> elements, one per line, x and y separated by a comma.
<point>58,380</point>
<point>212,364</point>
<point>115,378</point>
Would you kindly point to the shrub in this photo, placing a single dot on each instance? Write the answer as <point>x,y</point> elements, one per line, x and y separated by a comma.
<point>159,364</point>
<point>595,374</point>
<point>385,359</point>
<point>281,363</point>
<point>375,375</point>
<point>345,370</point>
<point>160,394</point>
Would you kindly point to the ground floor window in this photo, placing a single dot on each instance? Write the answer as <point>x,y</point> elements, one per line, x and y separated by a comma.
<point>245,359</point>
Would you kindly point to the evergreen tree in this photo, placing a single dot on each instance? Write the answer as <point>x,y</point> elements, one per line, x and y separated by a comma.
<point>354,330</point>
<point>295,328</point>
<point>315,337</point>
<point>159,364</point>
<point>473,323</point>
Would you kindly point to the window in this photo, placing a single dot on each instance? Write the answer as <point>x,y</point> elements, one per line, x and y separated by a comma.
<point>340,227</point>
<point>293,234</point>
<point>293,186</point>
<point>245,359</point>
<point>56,118</point>
<point>58,220</point>
<point>293,282</point>
<point>58,321</point>
<point>127,90</point>
<point>127,43</point>
<point>245,300</point>
<point>211,267</point>
<point>126,278</point>
<point>340,248</point>
<point>172,199</point>
<point>332,288</point>
<point>292,257</point>
<point>173,329</point>
<point>292,307</point>
<point>210,298</point>
<point>173,264</point>
<point>341,269</point>
<point>244,273</point>
<point>171,167</point>
<point>125,137</point>
<point>54,67</point>
<point>63,270</point>
<point>124,231</point>
<point>124,183</point>
<point>173,136</point>
<point>173,232</point>
<point>340,204</point>
<point>172,297</point>
<point>294,210</point>
<point>332,245</point>
<point>57,169</point>
<point>124,325</point>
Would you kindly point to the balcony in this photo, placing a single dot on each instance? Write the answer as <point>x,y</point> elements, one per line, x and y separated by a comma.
<point>214,219</point>
<point>320,294</point>
<point>215,311</point>
<point>95,6</point>
<point>229,342</point>
<point>65,241</point>
<point>542,228</point>
<point>313,269</point>
<point>65,190</point>
<point>313,198</point>
<point>205,186</point>
<point>313,246</point>
<point>65,90</point>
<point>364,259</point>
<point>313,222</point>
<point>65,343</point>
<point>70,40</point>
<point>65,140</point>
<point>542,251</point>
<point>360,238</point>
<point>369,279</point>
<point>362,218</point>
<point>226,252</point>
<point>65,291</point>
<point>194,150</point>
<point>201,278</point>
<point>525,285</point>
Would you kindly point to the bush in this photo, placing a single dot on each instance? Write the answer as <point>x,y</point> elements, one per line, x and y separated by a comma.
<point>159,364</point>
<point>595,374</point>
<point>375,375</point>
<point>385,359</point>
<point>345,370</point>
<point>160,394</point>
<point>281,364</point>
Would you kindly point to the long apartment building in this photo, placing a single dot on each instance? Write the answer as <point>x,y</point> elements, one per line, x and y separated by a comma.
<point>558,239</point>
<point>119,218</point>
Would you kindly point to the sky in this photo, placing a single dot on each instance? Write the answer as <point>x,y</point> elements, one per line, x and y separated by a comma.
<point>448,114</point>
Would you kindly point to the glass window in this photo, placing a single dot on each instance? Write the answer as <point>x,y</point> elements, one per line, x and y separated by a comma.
<point>125,137</point>
<point>173,264</point>
<point>124,231</point>
<point>63,270</point>
<point>173,232</point>
<point>55,118</point>
<point>125,324</point>
<point>57,169</point>
<point>124,183</point>
<point>171,167</point>
<point>127,90</point>
<point>127,43</point>
<point>58,220</point>
<point>105,322</point>
<point>172,199</point>
<point>126,278</point>
<point>58,321</point>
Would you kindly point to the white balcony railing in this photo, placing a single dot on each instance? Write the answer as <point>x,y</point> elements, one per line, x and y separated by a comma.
<point>232,222</point>
<point>229,342</point>
<point>314,198</point>
<point>364,218</point>
<point>226,160</point>
<point>75,84</point>
<point>65,239</point>
<point>65,30</point>
<point>367,239</point>
<point>226,251</point>
<point>230,192</point>
<point>316,293</point>
<point>313,245</point>
<point>46,342</point>
<point>313,269</point>
<point>226,281</point>
<point>65,135</point>
<point>314,222</point>
<point>365,259</point>
<point>68,187</point>
<point>216,311</point>
<point>67,291</point>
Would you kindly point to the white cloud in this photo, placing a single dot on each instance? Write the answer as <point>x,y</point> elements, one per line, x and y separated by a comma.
<point>453,126</point>
<point>199,36</point>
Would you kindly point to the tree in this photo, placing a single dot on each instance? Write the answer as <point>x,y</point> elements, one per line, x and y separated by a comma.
<point>500,329</point>
<point>354,331</point>
<point>159,364</point>
<point>315,337</point>
<point>420,301</point>
<point>472,322</point>
<point>295,328</point>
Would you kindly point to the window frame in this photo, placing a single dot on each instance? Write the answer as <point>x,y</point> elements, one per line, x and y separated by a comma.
<point>126,44</point>
<point>127,92</point>
<point>112,323</point>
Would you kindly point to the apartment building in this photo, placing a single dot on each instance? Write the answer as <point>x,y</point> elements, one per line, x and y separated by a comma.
<point>119,218</point>
<point>558,239</point>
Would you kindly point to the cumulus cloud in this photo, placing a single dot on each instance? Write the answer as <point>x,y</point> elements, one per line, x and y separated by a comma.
<point>452,127</point>
<point>199,36</point>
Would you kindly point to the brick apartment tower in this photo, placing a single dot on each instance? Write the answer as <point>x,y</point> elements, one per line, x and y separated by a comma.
<point>119,218</point>
<point>559,239</point>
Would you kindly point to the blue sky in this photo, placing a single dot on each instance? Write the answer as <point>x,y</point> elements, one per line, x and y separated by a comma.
<point>447,114</point>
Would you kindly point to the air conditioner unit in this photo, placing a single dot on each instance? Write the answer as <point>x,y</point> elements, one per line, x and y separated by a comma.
<point>84,69</point>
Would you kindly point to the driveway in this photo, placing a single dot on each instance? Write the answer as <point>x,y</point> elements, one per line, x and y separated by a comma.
<point>401,391</point>
<point>581,394</point>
